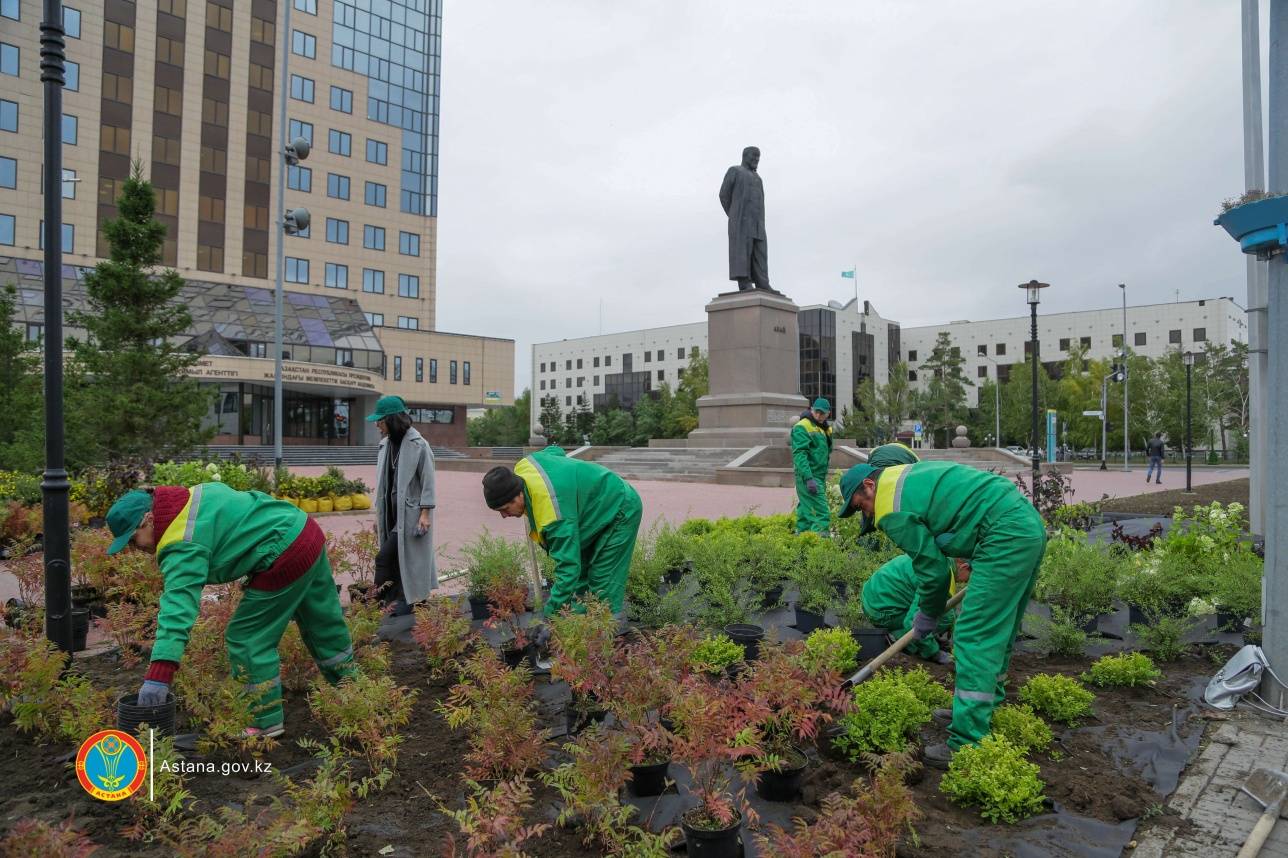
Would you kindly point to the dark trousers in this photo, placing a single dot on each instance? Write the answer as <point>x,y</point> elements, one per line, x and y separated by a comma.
<point>388,572</point>
<point>759,253</point>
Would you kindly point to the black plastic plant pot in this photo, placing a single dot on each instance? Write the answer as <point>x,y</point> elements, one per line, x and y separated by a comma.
<point>785,784</point>
<point>514,657</point>
<point>649,778</point>
<point>361,592</point>
<point>840,588</point>
<point>1229,622</point>
<point>872,642</point>
<point>1090,625</point>
<point>130,715</point>
<point>1135,615</point>
<point>708,843</point>
<point>807,621</point>
<point>748,636</point>
<point>672,576</point>
<point>80,627</point>
<point>479,608</point>
<point>771,597</point>
<point>577,719</point>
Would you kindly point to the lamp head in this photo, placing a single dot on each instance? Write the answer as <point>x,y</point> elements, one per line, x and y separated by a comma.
<point>1033,289</point>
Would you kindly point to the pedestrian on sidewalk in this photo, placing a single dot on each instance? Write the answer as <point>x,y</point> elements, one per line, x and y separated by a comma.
<point>811,450</point>
<point>405,570</point>
<point>1155,449</point>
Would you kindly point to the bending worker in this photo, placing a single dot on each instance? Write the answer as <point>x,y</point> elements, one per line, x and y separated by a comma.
<point>585,516</point>
<point>936,510</point>
<point>211,534</point>
<point>890,602</point>
<point>811,450</point>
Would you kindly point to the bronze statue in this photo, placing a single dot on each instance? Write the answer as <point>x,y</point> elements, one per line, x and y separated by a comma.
<point>743,196</point>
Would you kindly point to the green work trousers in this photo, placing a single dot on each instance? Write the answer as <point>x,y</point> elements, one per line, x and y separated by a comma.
<point>812,512</point>
<point>606,562</point>
<point>1004,569</point>
<point>260,621</point>
<point>890,602</point>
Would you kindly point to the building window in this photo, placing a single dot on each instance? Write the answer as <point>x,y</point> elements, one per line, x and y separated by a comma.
<point>397,367</point>
<point>373,281</point>
<point>1200,335</point>
<point>1085,342</point>
<point>912,375</point>
<point>300,129</point>
<point>299,178</point>
<point>981,372</point>
<point>543,366</point>
<point>121,36</point>
<point>309,7</point>
<point>465,373</point>
<point>254,217</point>
<point>337,276</point>
<point>420,370</point>
<point>596,362</point>
<point>9,173</point>
<point>72,76</point>
<point>451,372</point>
<point>337,231</point>
<point>409,323</point>
<point>999,349</point>
<point>608,360</point>
<point>302,88</point>
<point>567,382</point>
<point>219,18</point>
<point>408,286</point>
<point>257,350</point>
<point>648,356</point>
<point>9,61</point>
<point>304,44</point>
<point>35,332</point>
<point>1174,336</point>
<point>567,365</point>
<point>373,237</point>
<point>543,384</point>
<point>297,270</point>
<point>166,150</point>
<point>1140,338</point>
<point>661,375</point>
<point>257,169</point>
<point>578,363</point>
<point>169,51</point>
<point>1064,344</point>
<point>166,100</point>
<point>1117,340</point>
<point>337,186</point>
<point>581,381</point>
<point>9,9</point>
<point>339,143</point>
<point>567,400</point>
<point>433,370</point>
<point>596,381</point>
<point>9,119</point>
<point>6,229</point>
<point>344,357</point>
<point>408,243</point>
<point>341,99</point>
<point>375,320</point>
<point>220,65</point>
<point>377,152</point>
<point>261,29</point>
<point>982,349</point>
<point>114,140</point>
<point>210,258</point>
<point>70,127</point>
<point>71,22</point>
<point>375,194</point>
<point>912,355</point>
<point>254,264</point>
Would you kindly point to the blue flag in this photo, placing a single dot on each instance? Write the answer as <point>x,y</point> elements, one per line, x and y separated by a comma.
<point>849,275</point>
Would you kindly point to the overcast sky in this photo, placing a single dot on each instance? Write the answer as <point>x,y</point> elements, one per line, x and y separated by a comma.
<point>948,150</point>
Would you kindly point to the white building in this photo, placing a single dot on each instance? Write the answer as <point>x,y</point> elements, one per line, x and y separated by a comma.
<point>841,344</point>
<point>1152,329</point>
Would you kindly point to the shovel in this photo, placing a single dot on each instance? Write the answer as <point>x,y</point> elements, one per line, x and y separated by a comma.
<point>865,673</point>
<point>541,659</point>
<point>1267,788</point>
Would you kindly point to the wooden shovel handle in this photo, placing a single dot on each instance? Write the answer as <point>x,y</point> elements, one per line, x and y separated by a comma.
<point>899,645</point>
<point>1261,831</point>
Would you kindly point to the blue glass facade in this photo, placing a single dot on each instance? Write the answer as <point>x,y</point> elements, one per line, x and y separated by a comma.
<point>397,44</point>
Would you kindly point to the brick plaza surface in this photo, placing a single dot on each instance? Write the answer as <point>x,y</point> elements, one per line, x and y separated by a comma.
<point>1208,797</point>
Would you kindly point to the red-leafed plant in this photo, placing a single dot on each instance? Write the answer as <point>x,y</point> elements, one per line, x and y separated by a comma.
<point>867,823</point>
<point>788,698</point>
<point>492,822</point>
<point>496,705</point>
<point>509,601</point>
<point>714,733</point>
<point>443,632</point>
<point>32,838</point>
<point>131,626</point>
<point>642,684</point>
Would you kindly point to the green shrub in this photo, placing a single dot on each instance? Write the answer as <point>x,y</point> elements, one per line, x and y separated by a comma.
<point>1061,635</point>
<point>1128,668</point>
<point>493,560</point>
<point>922,684</point>
<point>1060,698</point>
<point>994,776</point>
<point>1077,575</point>
<point>1164,635</point>
<point>1020,725</point>
<point>835,649</point>
<point>1237,588</point>
<point>715,653</point>
<point>888,710</point>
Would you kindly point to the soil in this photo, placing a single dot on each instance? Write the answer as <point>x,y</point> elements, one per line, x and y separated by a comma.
<point>1089,782</point>
<point>1162,503</point>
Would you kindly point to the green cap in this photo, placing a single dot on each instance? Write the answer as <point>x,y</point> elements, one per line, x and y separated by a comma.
<point>822,404</point>
<point>125,515</point>
<point>850,482</point>
<point>387,406</point>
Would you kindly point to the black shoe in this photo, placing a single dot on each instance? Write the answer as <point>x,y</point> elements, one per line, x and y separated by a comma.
<point>938,756</point>
<point>942,717</point>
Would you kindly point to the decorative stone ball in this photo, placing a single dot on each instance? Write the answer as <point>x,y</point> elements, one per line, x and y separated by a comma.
<point>961,441</point>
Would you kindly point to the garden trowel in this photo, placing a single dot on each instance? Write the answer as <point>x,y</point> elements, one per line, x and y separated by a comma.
<point>1267,788</point>
<point>865,673</point>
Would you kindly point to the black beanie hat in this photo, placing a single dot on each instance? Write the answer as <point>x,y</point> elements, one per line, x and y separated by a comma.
<point>500,486</point>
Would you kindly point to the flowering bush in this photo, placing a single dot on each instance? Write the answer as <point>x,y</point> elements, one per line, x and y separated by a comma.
<point>1128,668</point>
<point>995,776</point>
<point>1060,698</point>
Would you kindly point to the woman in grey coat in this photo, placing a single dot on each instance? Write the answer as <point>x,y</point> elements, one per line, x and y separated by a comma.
<point>405,571</point>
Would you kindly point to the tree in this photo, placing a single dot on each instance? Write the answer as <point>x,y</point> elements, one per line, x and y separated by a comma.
<point>21,399</point>
<point>682,409</point>
<point>882,409</point>
<point>943,403</point>
<point>613,428</point>
<point>649,419</point>
<point>551,419</point>
<point>502,427</point>
<point>1226,382</point>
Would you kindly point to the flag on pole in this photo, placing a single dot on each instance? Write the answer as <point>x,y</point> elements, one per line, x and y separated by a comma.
<point>849,275</point>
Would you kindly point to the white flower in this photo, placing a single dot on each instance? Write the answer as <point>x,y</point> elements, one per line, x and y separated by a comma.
<point>1200,607</point>
<point>216,478</point>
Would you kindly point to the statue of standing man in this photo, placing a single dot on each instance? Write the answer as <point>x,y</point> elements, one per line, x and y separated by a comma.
<point>743,196</point>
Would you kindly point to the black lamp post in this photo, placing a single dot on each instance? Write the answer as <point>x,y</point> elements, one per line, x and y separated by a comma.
<point>1188,360</point>
<point>54,487</point>
<point>1033,290</point>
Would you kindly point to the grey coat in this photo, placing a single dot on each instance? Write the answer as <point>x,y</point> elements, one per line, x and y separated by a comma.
<point>414,489</point>
<point>742,194</point>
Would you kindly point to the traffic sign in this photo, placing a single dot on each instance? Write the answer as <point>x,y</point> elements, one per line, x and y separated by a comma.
<point>916,427</point>
<point>1093,414</point>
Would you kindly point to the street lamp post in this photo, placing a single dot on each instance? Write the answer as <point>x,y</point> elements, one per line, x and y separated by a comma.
<point>1126,424</point>
<point>1033,291</point>
<point>1188,359</point>
<point>997,401</point>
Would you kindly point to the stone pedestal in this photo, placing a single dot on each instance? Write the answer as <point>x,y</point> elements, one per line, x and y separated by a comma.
<point>753,350</point>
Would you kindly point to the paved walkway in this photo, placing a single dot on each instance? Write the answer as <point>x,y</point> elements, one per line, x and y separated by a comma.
<point>1218,817</point>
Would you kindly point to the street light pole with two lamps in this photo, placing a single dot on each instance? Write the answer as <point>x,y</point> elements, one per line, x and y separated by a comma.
<point>1033,291</point>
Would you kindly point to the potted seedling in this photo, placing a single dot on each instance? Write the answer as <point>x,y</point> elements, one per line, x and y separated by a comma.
<point>821,564</point>
<point>508,600</point>
<point>642,685</point>
<point>490,559</point>
<point>871,640</point>
<point>716,655</point>
<point>581,648</point>
<point>1237,592</point>
<point>1079,577</point>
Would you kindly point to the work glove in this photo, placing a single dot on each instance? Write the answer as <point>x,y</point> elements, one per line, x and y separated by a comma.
<point>153,693</point>
<point>811,486</point>
<point>924,624</point>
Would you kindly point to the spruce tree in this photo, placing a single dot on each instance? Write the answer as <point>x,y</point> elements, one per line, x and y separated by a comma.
<point>129,373</point>
<point>21,400</point>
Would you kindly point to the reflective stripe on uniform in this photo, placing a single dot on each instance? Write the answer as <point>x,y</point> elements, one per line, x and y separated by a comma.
<point>811,426</point>
<point>337,659</point>
<point>184,524</point>
<point>889,491</point>
<point>544,504</point>
<point>977,696</point>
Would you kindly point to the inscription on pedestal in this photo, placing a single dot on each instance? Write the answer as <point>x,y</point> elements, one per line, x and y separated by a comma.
<point>780,417</point>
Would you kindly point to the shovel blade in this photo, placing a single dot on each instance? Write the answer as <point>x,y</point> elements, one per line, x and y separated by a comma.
<point>1266,787</point>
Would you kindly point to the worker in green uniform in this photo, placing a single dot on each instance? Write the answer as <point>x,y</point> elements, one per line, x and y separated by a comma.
<point>586,518</point>
<point>885,456</point>
<point>890,601</point>
<point>936,510</point>
<point>811,450</point>
<point>211,534</point>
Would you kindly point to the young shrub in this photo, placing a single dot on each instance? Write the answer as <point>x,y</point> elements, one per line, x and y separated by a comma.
<point>715,653</point>
<point>130,625</point>
<point>582,649</point>
<point>33,838</point>
<point>833,649</point>
<point>713,735</point>
<point>495,704</point>
<point>1128,668</point>
<point>29,682</point>
<point>787,702</point>
<point>922,684</point>
<point>589,784</point>
<point>169,791</point>
<point>1019,725</point>
<point>509,602</point>
<point>83,709</point>
<point>1061,635</point>
<point>321,802</point>
<point>491,822</point>
<point>1164,635</point>
<point>867,823</point>
<point>995,777</point>
<point>1060,698</point>
<point>298,667</point>
<point>886,714</point>
<point>1237,588</point>
<point>443,632</point>
<point>366,713</point>
<point>1079,576</point>
<point>491,560</point>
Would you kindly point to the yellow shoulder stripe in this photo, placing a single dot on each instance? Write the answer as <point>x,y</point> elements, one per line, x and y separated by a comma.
<point>808,426</point>
<point>184,524</point>
<point>889,491</point>
<point>543,506</point>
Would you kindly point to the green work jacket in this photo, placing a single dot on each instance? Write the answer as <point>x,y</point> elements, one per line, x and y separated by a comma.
<point>569,504</point>
<point>811,448</point>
